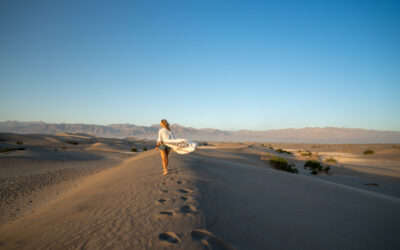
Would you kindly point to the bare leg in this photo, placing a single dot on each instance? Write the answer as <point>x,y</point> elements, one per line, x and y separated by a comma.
<point>167,153</point>
<point>164,159</point>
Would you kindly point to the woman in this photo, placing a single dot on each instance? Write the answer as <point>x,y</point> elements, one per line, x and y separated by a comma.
<point>164,134</point>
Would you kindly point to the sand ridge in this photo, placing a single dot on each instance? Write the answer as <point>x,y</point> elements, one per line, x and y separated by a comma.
<point>130,205</point>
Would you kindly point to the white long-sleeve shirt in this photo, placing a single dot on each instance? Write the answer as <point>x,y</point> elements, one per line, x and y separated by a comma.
<point>164,134</point>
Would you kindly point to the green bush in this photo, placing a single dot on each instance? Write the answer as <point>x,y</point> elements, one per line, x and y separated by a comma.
<point>315,167</point>
<point>73,142</point>
<point>55,149</point>
<point>270,147</point>
<point>369,152</point>
<point>1,140</point>
<point>279,150</point>
<point>19,142</point>
<point>133,149</point>
<point>282,164</point>
<point>4,150</point>
<point>327,169</point>
<point>331,160</point>
<point>262,145</point>
<point>64,147</point>
<point>312,165</point>
<point>144,149</point>
<point>307,153</point>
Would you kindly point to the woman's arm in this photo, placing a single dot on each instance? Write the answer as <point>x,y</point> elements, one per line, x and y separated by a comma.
<point>159,139</point>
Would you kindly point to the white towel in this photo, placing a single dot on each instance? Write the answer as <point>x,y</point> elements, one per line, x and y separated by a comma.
<point>181,146</point>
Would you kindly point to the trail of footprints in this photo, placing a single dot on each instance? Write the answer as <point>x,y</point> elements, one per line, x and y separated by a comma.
<point>186,209</point>
<point>204,236</point>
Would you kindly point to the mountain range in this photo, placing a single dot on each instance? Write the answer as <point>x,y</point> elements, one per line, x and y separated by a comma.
<point>305,135</point>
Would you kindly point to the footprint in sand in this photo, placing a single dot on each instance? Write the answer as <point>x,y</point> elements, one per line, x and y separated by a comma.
<point>200,234</point>
<point>180,182</point>
<point>189,209</point>
<point>170,237</point>
<point>185,190</point>
<point>185,198</point>
<point>163,191</point>
<point>162,201</point>
<point>167,212</point>
<point>210,240</point>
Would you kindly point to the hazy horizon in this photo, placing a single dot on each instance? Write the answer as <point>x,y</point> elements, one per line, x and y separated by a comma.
<point>199,128</point>
<point>228,65</point>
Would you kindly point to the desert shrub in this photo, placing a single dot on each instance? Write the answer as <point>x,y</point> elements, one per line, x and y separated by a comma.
<point>312,165</point>
<point>327,169</point>
<point>262,145</point>
<point>3,150</point>
<point>1,140</point>
<point>270,147</point>
<point>133,149</point>
<point>279,150</point>
<point>307,153</point>
<point>315,167</point>
<point>55,149</point>
<point>144,149</point>
<point>7,149</point>
<point>372,184</point>
<point>19,142</point>
<point>331,160</point>
<point>64,147</point>
<point>204,144</point>
<point>73,142</point>
<point>282,164</point>
<point>369,152</point>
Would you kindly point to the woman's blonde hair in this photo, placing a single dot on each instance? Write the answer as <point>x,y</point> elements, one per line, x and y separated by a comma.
<point>166,124</point>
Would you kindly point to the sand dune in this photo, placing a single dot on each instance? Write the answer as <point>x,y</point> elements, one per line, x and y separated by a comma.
<point>215,198</point>
<point>99,146</point>
<point>74,135</point>
<point>49,165</point>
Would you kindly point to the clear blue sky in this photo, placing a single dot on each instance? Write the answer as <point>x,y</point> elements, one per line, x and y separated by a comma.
<point>219,64</point>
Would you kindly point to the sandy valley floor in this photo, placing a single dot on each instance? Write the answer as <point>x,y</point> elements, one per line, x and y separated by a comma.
<point>75,191</point>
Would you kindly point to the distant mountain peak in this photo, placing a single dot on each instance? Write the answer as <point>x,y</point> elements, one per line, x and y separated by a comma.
<point>308,134</point>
